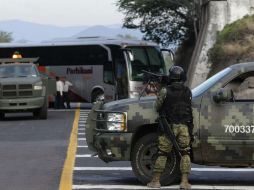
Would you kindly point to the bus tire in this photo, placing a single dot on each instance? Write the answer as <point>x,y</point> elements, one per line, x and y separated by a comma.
<point>143,157</point>
<point>96,94</point>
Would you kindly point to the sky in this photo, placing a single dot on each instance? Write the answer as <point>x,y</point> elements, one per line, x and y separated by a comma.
<point>62,12</point>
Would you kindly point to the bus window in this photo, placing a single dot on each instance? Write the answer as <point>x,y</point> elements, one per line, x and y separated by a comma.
<point>156,61</point>
<point>108,73</point>
<point>149,59</point>
<point>138,64</point>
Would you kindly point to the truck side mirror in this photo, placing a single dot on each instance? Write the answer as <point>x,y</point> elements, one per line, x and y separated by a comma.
<point>223,95</point>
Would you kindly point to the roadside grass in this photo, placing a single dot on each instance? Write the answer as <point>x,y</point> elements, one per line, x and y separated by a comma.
<point>235,44</point>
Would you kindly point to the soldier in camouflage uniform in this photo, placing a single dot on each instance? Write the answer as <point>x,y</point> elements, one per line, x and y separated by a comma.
<point>174,101</point>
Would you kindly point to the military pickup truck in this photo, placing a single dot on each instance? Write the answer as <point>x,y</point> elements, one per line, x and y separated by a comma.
<point>23,88</point>
<point>223,109</point>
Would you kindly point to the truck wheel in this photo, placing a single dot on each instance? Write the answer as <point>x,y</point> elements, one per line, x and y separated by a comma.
<point>143,157</point>
<point>2,115</point>
<point>96,94</point>
<point>41,113</point>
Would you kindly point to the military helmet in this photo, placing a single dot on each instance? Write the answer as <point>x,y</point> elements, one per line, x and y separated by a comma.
<point>176,73</point>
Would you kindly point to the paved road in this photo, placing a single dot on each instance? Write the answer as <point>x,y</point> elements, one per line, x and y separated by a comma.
<point>92,173</point>
<point>32,152</point>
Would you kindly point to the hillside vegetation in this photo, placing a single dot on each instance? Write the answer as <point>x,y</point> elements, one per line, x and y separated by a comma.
<point>235,44</point>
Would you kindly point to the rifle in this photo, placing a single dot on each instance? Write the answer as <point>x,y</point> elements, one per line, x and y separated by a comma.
<point>153,79</point>
<point>166,127</point>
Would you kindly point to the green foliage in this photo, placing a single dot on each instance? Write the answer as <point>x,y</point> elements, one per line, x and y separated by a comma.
<point>162,21</point>
<point>235,43</point>
<point>5,37</point>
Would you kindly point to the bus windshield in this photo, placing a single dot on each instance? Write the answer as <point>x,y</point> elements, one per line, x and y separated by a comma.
<point>148,58</point>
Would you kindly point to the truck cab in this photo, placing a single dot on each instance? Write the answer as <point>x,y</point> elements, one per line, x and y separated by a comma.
<point>223,127</point>
<point>22,88</point>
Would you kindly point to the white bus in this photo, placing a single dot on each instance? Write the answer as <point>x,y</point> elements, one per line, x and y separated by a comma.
<point>94,65</point>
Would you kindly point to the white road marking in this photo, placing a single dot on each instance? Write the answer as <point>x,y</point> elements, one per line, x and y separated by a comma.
<point>82,121</point>
<point>81,139</point>
<point>81,133</point>
<point>62,110</point>
<point>80,146</point>
<point>85,156</point>
<point>192,169</point>
<point>102,168</point>
<point>88,186</point>
<point>222,169</point>
<point>81,129</point>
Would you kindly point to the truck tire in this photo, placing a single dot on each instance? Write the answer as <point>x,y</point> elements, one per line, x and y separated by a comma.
<point>143,157</point>
<point>96,95</point>
<point>2,115</point>
<point>41,113</point>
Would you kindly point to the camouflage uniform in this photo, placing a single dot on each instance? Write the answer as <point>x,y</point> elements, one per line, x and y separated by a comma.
<point>174,103</point>
<point>181,131</point>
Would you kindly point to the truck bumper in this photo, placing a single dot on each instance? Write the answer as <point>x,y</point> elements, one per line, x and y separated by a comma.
<point>10,105</point>
<point>113,147</point>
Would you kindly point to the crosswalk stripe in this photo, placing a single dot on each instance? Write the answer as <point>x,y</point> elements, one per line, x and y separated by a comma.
<point>80,146</point>
<point>102,168</point>
<point>192,169</point>
<point>81,133</point>
<point>85,156</point>
<point>81,139</point>
<point>222,169</point>
<point>104,186</point>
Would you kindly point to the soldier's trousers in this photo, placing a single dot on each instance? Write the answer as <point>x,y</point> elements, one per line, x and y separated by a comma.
<point>165,146</point>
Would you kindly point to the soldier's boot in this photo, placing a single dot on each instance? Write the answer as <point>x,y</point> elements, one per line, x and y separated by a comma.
<point>185,183</point>
<point>155,182</point>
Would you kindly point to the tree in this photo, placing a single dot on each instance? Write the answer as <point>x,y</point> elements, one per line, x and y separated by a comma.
<point>5,37</point>
<point>162,21</point>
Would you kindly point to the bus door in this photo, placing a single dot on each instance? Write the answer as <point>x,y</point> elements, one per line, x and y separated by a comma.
<point>109,82</point>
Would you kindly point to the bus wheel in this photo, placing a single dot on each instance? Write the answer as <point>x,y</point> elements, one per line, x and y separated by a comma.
<point>96,94</point>
<point>143,157</point>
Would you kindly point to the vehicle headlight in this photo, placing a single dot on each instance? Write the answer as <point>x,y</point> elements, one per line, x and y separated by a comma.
<point>116,121</point>
<point>38,86</point>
